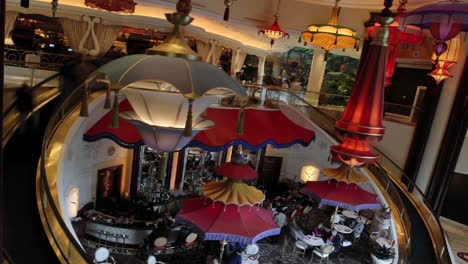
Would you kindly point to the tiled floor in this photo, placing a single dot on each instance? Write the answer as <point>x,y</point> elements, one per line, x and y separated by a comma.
<point>270,253</point>
<point>277,254</point>
<point>457,235</point>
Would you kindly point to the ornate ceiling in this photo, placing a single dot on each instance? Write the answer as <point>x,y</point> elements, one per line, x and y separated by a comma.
<point>245,18</point>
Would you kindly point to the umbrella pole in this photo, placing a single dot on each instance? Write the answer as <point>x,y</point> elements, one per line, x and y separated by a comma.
<point>333,218</point>
<point>223,244</point>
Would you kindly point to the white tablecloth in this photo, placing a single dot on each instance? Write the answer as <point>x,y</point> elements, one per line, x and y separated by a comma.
<point>350,214</point>
<point>343,229</point>
<point>313,241</point>
<point>384,242</point>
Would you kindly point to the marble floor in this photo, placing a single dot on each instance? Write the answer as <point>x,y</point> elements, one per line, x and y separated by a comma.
<point>457,235</point>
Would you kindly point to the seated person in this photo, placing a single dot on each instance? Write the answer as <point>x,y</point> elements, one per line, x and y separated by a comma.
<point>319,231</point>
<point>235,258</point>
<point>299,211</point>
<point>359,227</point>
<point>182,235</point>
<point>280,218</point>
<point>335,239</point>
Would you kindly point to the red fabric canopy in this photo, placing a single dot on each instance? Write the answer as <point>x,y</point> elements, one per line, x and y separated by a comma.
<point>236,171</point>
<point>126,135</point>
<point>243,224</point>
<point>261,127</point>
<point>350,196</point>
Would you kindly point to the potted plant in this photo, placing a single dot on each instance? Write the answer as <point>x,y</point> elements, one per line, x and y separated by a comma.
<point>382,254</point>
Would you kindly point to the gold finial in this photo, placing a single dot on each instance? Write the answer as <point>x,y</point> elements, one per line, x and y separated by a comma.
<point>176,45</point>
<point>184,6</point>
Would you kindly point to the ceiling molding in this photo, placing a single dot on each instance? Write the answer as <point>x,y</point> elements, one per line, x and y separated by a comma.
<point>207,25</point>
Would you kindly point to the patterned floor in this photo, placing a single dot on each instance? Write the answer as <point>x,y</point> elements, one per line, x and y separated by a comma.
<point>270,253</point>
<point>278,253</point>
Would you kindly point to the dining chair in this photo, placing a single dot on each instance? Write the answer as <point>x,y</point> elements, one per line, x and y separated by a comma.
<point>102,256</point>
<point>323,253</point>
<point>300,247</point>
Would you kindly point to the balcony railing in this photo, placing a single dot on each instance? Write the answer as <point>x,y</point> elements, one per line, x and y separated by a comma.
<point>47,61</point>
<point>385,171</point>
<point>70,251</point>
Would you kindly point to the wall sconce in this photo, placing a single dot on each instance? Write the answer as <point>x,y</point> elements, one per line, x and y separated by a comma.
<point>309,173</point>
<point>73,202</point>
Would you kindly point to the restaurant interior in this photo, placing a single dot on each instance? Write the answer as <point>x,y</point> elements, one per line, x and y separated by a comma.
<point>172,133</point>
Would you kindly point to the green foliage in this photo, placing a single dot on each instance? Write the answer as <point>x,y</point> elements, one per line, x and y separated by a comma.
<point>339,79</point>
<point>296,65</point>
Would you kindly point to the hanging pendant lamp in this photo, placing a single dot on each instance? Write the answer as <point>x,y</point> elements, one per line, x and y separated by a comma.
<point>228,4</point>
<point>332,35</point>
<point>362,121</point>
<point>182,86</point>
<point>274,31</point>
<point>445,20</point>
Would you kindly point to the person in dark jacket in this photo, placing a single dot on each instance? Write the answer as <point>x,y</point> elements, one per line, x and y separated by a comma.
<point>235,258</point>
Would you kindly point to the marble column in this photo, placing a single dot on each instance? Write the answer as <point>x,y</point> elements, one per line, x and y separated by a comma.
<point>276,71</point>
<point>317,71</point>
<point>234,61</point>
<point>261,69</point>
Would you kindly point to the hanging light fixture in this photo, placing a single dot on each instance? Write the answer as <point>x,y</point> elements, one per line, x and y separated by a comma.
<point>446,60</point>
<point>228,4</point>
<point>362,121</point>
<point>445,20</point>
<point>397,37</point>
<point>168,102</point>
<point>332,35</point>
<point>160,114</point>
<point>274,31</point>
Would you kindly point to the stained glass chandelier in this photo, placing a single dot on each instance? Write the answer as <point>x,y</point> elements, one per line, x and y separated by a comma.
<point>332,35</point>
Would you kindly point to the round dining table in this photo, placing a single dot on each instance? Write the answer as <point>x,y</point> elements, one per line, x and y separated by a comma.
<point>350,214</point>
<point>313,241</point>
<point>343,229</point>
<point>384,242</point>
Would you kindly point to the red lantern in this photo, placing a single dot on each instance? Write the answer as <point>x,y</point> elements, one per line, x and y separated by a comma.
<point>354,152</point>
<point>446,29</point>
<point>364,113</point>
<point>446,60</point>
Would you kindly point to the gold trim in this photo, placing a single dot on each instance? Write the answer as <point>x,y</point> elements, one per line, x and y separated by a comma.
<point>175,45</point>
<point>402,234</point>
<point>58,238</point>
